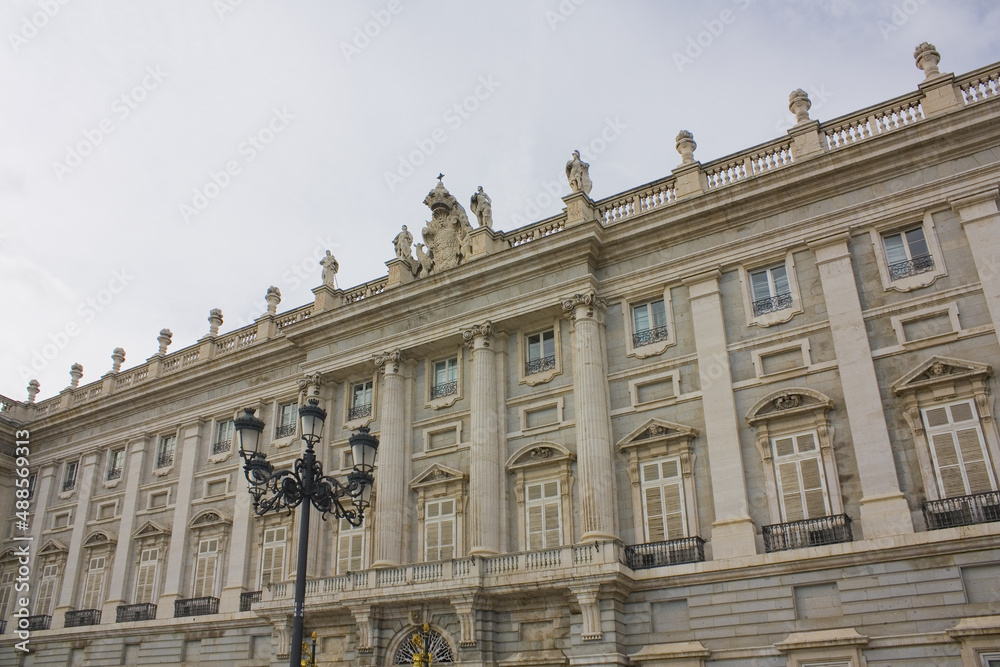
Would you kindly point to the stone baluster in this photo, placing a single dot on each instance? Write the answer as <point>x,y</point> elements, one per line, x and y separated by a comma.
<point>393,457</point>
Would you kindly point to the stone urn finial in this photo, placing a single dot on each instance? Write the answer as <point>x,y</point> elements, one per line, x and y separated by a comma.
<point>686,146</point>
<point>33,389</point>
<point>799,104</point>
<point>117,356</point>
<point>164,339</point>
<point>215,320</point>
<point>75,372</point>
<point>273,298</point>
<point>927,59</point>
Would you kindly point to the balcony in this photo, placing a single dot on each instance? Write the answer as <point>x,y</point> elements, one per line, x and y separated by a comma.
<point>808,533</point>
<point>247,599</point>
<point>649,336</point>
<point>962,510</point>
<point>76,618</point>
<point>540,365</point>
<point>359,411</point>
<point>772,304</point>
<point>911,267</point>
<point>127,613</point>
<point>165,460</point>
<point>195,607</point>
<point>658,554</point>
<point>39,622</point>
<point>444,389</point>
<point>221,446</point>
<point>284,430</point>
<point>69,485</point>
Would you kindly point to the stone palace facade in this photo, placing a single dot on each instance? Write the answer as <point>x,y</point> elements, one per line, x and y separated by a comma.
<point>742,415</point>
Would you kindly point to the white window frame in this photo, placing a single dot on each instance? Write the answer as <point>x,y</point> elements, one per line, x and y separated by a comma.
<point>166,443</point>
<point>548,538</point>
<point>204,585</point>
<point>71,477</point>
<point>437,522</point>
<point>953,428</point>
<point>769,263</point>
<point>524,346</point>
<point>115,455</point>
<point>276,550</point>
<point>430,372</point>
<point>47,589</point>
<point>660,485</point>
<point>93,586</point>
<point>224,430</point>
<point>349,536</point>
<point>653,347</point>
<point>900,225</point>
<point>540,462</point>
<point>351,423</point>
<point>796,459</point>
<point>285,415</point>
<point>6,591</point>
<point>142,566</point>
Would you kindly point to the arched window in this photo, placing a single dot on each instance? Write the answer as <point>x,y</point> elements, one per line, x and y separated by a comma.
<point>437,646</point>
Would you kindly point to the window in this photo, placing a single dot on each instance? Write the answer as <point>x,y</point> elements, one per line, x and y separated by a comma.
<point>145,578</point>
<point>6,588</point>
<point>69,479</point>
<point>907,253</point>
<point>361,400</point>
<point>649,322</point>
<point>663,500</point>
<point>32,478</point>
<point>958,449</point>
<point>272,559</point>
<point>541,352</point>
<point>350,548</point>
<point>287,412</point>
<point>207,564</point>
<point>990,659</point>
<point>93,588</point>
<point>223,437</point>
<point>770,290</point>
<point>439,530</point>
<point>165,457</point>
<point>116,464</point>
<point>46,590</point>
<point>799,471</point>
<point>543,515</point>
<point>445,378</point>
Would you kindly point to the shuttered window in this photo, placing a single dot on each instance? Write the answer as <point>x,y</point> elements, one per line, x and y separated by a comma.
<point>544,515</point>
<point>801,482</point>
<point>145,579</point>
<point>663,500</point>
<point>439,530</point>
<point>207,564</point>
<point>93,588</point>
<point>958,449</point>
<point>6,586</point>
<point>272,557</point>
<point>350,548</point>
<point>46,590</point>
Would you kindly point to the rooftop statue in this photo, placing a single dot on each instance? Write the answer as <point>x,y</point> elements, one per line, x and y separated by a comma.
<point>578,174</point>
<point>482,206</point>
<point>330,267</point>
<point>446,234</point>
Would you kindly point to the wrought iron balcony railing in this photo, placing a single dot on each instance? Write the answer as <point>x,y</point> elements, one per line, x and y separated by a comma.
<point>444,389</point>
<point>3,626</point>
<point>114,473</point>
<point>80,617</point>
<point>195,607</point>
<point>165,459</point>
<point>359,411</point>
<point>672,552</point>
<point>962,510</point>
<point>39,622</point>
<point>541,364</point>
<point>135,612</point>
<point>284,430</point>
<point>221,446</point>
<point>772,304</point>
<point>69,485</point>
<point>649,336</point>
<point>808,533</point>
<point>911,267</point>
<point>247,599</point>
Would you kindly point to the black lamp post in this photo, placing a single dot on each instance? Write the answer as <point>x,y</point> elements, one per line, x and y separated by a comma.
<point>305,485</point>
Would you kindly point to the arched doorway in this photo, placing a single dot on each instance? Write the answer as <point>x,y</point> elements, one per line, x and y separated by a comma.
<point>411,644</point>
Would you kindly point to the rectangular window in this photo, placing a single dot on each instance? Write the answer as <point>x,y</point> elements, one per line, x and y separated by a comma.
<point>649,322</point>
<point>439,530</point>
<point>272,559</point>
<point>445,378</point>
<point>361,400</point>
<point>663,500</point>
<point>145,578</point>
<point>350,548</point>
<point>46,590</point>
<point>32,478</point>
<point>69,479</point>
<point>93,588</point>
<point>116,464</point>
<point>907,253</point>
<point>770,290</point>
<point>287,412</point>
<point>991,659</point>
<point>223,437</point>
<point>204,575</point>
<point>6,587</point>
<point>958,450</point>
<point>543,507</point>
<point>541,349</point>
<point>168,446</point>
<point>801,482</point>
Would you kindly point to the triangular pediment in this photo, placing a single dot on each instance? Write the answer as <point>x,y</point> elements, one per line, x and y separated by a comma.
<point>437,474</point>
<point>53,547</point>
<point>657,430</point>
<point>150,529</point>
<point>539,453</point>
<point>8,554</point>
<point>787,403</point>
<point>938,370</point>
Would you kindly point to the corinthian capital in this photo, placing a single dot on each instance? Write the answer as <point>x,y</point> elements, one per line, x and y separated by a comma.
<point>482,331</point>
<point>587,304</point>
<point>389,362</point>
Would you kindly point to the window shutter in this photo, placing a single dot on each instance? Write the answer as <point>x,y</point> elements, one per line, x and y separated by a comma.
<point>976,468</point>
<point>958,449</point>
<point>791,493</point>
<point>6,586</point>
<point>272,560</point>
<point>350,548</point>
<point>654,515</point>
<point>94,583</point>
<point>812,487</point>
<point>146,577</point>
<point>204,578</point>
<point>535,536</point>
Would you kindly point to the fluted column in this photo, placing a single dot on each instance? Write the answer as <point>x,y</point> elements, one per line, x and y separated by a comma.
<point>594,449</point>
<point>486,479</point>
<point>390,479</point>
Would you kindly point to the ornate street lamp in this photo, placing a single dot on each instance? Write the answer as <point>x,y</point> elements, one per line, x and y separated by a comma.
<point>305,485</point>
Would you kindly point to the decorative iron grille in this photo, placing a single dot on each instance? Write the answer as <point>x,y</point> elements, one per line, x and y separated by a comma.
<point>672,552</point>
<point>221,446</point>
<point>649,336</point>
<point>540,364</point>
<point>444,389</point>
<point>135,612</point>
<point>911,267</point>
<point>79,617</point>
<point>69,485</point>
<point>114,473</point>
<point>165,459</point>
<point>3,626</point>
<point>248,598</point>
<point>808,533</point>
<point>437,647</point>
<point>772,304</point>
<point>359,411</point>
<point>39,622</point>
<point>962,510</point>
<point>195,607</point>
<point>284,430</point>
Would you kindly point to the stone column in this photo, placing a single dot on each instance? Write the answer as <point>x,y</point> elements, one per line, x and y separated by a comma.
<point>594,448</point>
<point>390,479</point>
<point>486,478</point>
<point>981,222</point>
<point>70,577</point>
<point>123,550</point>
<point>883,507</point>
<point>239,550</point>
<point>733,530</point>
<point>187,453</point>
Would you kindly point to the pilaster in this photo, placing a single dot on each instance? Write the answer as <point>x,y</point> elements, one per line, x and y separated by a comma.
<point>981,222</point>
<point>189,438</point>
<point>123,550</point>
<point>70,579</point>
<point>236,569</point>
<point>393,455</point>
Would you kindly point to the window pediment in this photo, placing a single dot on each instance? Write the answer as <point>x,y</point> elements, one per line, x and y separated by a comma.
<point>657,431</point>
<point>209,519</point>
<point>436,475</point>
<point>940,370</point>
<point>539,454</point>
<point>53,548</point>
<point>786,403</point>
<point>150,530</point>
<point>99,539</point>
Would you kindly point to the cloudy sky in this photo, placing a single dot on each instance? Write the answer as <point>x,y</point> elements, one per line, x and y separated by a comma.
<point>162,158</point>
